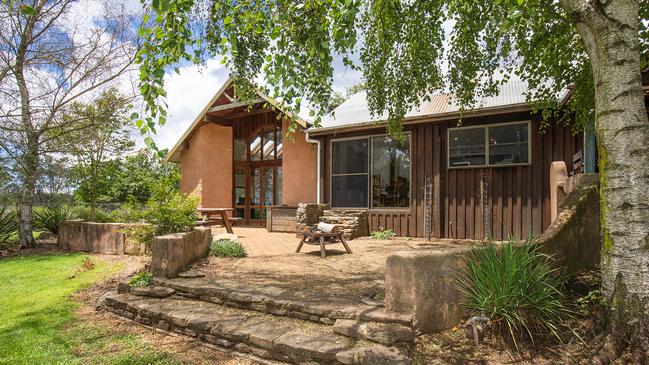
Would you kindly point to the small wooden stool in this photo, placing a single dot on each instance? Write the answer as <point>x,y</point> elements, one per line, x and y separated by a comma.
<point>321,236</point>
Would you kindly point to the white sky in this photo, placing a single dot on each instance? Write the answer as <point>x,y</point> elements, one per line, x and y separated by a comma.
<point>188,92</point>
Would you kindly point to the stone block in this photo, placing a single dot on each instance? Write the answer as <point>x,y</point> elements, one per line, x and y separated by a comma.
<point>174,253</point>
<point>301,346</point>
<point>423,284</point>
<point>308,214</point>
<point>152,291</point>
<point>265,333</point>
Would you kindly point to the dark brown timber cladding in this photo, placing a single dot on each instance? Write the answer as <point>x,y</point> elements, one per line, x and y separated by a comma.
<point>517,198</point>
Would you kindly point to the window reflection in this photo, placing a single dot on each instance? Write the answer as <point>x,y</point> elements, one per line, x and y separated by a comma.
<point>255,148</point>
<point>508,144</point>
<point>280,145</point>
<point>466,147</point>
<point>269,144</point>
<point>390,173</point>
<point>256,184</point>
<point>240,153</point>
<point>268,186</point>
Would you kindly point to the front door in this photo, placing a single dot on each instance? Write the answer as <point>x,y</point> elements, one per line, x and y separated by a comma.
<point>258,179</point>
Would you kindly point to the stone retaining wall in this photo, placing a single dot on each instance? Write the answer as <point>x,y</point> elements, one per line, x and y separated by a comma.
<point>175,252</point>
<point>308,214</point>
<point>105,238</point>
<point>573,239</point>
<point>423,283</point>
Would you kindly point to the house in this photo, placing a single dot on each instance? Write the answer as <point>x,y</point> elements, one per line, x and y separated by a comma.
<point>487,176</point>
<point>233,156</point>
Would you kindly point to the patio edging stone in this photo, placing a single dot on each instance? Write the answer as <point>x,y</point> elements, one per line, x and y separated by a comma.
<point>282,302</point>
<point>253,335</point>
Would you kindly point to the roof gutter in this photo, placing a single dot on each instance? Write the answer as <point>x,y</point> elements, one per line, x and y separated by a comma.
<point>318,172</point>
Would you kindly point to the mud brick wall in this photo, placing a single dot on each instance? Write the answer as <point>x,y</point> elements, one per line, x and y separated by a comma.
<point>104,238</point>
<point>174,253</point>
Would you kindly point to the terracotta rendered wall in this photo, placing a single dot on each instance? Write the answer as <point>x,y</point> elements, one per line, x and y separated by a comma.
<point>299,169</point>
<point>206,166</point>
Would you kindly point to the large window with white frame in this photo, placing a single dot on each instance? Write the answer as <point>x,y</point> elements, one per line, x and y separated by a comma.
<point>489,145</point>
<point>370,172</point>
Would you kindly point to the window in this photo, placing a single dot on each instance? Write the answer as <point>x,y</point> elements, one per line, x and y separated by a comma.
<point>508,144</point>
<point>390,172</point>
<point>349,173</point>
<point>370,172</point>
<point>466,147</point>
<point>493,145</point>
<point>240,150</point>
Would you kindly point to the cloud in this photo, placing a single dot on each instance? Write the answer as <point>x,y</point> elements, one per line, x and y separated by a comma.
<point>187,94</point>
<point>189,91</point>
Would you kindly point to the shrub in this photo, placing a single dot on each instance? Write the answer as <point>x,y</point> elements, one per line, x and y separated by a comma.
<point>85,213</point>
<point>143,278</point>
<point>227,248</point>
<point>142,234</point>
<point>8,223</point>
<point>515,286</point>
<point>130,212</point>
<point>382,234</point>
<point>175,213</point>
<point>49,218</point>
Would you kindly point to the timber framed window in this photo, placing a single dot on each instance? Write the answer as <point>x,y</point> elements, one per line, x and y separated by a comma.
<point>505,144</point>
<point>370,172</point>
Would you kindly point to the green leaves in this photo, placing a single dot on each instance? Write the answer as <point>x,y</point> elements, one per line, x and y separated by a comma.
<point>515,286</point>
<point>410,50</point>
<point>27,10</point>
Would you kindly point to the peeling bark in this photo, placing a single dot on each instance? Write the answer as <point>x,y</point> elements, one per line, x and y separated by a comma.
<point>610,34</point>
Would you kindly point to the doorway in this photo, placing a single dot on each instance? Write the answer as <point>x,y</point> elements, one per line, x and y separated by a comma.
<point>257,174</point>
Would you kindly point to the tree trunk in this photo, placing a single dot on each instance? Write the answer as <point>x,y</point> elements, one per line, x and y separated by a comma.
<point>26,226</point>
<point>610,33</point>
<point>30,159</point>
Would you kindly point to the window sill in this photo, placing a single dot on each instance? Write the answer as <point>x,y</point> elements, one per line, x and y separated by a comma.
<point>488,166</point>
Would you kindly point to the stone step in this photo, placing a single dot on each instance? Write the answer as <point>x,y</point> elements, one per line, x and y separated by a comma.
<point>260,335</point>
<point>281,302</point>
<point>344,213</point>
<point>383,333</point>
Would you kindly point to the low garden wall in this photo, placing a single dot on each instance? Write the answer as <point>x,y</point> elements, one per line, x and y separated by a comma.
<point>573,239</point>
<point>174,253</point>
<point>424,283</point>
<point>104,238</point>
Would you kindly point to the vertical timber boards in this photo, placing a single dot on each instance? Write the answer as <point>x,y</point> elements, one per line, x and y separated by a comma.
<point>518,196</point>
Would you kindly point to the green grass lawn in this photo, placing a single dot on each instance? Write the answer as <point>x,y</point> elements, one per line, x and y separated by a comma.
<point>37,316</point>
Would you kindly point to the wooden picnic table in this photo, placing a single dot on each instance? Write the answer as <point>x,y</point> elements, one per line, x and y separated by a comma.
<point>222,212</point>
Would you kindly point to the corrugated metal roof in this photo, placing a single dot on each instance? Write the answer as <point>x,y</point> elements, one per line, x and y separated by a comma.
<point>354,111</point>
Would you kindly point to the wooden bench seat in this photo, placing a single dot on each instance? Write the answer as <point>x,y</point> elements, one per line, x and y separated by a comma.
<point>321,238</point>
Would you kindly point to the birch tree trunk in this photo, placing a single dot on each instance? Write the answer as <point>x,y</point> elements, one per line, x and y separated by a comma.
<point>610,33</point>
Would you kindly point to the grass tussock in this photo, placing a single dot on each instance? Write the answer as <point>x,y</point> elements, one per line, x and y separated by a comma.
<point>227,248</point>
<point>515,286</point>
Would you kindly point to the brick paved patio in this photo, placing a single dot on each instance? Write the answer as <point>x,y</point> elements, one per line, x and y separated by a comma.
<point>259,242</point>
<point>272,260</point>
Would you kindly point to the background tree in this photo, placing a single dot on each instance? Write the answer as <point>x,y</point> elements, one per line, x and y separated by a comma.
<point>54,183</point>
<point>338,98</point>
<point>593,47</point>
<point>140,175</point>
<point>108,137</point>
<point>50,57</point>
